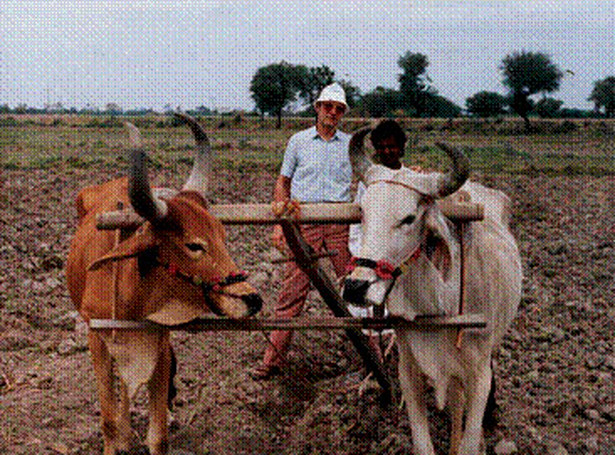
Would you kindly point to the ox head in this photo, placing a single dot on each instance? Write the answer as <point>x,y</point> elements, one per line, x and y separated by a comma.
<point>181,246</point>
<point>403,231</point>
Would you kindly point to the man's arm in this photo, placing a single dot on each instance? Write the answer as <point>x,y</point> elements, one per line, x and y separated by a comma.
<point>281,197</point>
<point>281,189</point>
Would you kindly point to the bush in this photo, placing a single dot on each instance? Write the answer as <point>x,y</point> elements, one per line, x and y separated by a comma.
<point>110,122</point>
<point>564,127</point>
<point>8,122</point>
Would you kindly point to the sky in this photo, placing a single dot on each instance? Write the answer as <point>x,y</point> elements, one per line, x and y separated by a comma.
<point>152,54</point>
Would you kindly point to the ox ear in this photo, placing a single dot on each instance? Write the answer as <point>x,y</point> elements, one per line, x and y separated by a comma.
<point>440,243</point>
<point>133,246</point>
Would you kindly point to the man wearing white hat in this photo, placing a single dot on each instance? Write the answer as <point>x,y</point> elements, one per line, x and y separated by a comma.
<point>316,168</point>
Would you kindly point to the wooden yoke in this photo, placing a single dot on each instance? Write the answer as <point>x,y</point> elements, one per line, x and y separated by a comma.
<point>307,259</point>
<point>321,213</point>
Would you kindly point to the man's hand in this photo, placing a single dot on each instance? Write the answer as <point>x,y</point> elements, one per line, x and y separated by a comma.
<point>278,240</point>
<point>289,207</point>
<point>286,208</point>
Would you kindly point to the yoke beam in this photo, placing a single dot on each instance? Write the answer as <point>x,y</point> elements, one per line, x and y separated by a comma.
<point>315,213</point>
<point>312,323</point>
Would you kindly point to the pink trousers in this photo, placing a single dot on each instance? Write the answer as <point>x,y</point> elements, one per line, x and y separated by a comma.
<point>296,284</point>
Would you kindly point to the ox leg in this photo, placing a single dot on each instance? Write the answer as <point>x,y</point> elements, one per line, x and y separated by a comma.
<point>477,395</point>
<point>123,417</point>
<point>413,387</point>
<point>116,435</point>
<point>456,400</point>
<point>158,388</point>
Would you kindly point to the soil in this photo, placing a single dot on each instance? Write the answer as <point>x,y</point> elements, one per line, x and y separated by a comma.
<point>555,369</point>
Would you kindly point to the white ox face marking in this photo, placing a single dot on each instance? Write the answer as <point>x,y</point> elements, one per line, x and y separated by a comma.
<point>401,227</point>
<point>390,233</point>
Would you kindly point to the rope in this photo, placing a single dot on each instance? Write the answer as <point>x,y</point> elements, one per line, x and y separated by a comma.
<point>115,276</point>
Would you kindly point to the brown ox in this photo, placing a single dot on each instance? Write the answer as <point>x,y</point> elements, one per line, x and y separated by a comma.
<point>174,268</point>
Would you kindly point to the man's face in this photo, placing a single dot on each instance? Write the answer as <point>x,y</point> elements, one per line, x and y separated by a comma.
<point>329,113</point>
<point>388,152</point>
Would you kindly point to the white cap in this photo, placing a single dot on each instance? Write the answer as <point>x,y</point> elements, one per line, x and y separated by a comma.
<point>334,92</point>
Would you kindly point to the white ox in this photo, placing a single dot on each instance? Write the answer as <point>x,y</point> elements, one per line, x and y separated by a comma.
<point>404,232</point>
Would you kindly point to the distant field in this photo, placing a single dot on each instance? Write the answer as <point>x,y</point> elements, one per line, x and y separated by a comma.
<point>556,147</point>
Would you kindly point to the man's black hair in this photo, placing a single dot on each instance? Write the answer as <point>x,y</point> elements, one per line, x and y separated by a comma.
<point>388,128</point>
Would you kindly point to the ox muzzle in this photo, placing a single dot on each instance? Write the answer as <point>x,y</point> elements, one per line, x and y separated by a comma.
<point>219,286</point>
<point>355,291</point>
<point>254,302</point>
<point>360,291</point>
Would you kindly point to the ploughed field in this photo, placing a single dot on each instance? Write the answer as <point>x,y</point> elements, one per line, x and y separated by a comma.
<point>555,370</point>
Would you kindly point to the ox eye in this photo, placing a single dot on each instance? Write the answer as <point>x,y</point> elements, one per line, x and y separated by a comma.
<point>407,220</point>
<point>194,247</point>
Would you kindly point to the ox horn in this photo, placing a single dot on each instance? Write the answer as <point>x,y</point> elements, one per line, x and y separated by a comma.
<point>456,177</point>
<point>356,152</point>
<point>199,176</point>
<point>139,190</point>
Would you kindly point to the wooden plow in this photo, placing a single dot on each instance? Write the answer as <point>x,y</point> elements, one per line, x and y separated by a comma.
<point>307,259</point>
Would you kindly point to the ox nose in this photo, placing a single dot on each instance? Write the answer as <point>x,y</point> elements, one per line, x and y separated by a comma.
<point>355,290</point>
<point>254,303</point>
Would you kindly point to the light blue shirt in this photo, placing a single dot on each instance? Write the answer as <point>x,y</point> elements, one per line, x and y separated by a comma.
<point>319,170</point>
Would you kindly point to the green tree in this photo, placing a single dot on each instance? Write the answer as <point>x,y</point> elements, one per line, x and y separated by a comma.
<point>439,106</point>
<point>526,74</point>
<point>381,102</point>
<point>275,86</point>
<point>113,108</point>
<point>548,107</point>
<point>353,93</point>
<point>486,104</point>
<point>414,83</point>
<point>603,96</point>
<point>312,81</point>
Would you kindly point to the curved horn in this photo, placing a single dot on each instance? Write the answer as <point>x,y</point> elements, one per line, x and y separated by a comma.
<point>356,152</point>
<point>456,177</point>
<point>139,190</point>
<point>199,176</point>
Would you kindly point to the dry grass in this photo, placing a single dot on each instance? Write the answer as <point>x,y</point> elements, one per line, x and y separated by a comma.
<point>556,147</point>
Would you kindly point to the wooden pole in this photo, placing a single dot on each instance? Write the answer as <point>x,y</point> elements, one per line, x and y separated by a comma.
<point>320,213</point>
<point>462,279</point>
<point>285,259</point>
<point>303,253</point>
<point>114,274</point>
<point>467,320</point>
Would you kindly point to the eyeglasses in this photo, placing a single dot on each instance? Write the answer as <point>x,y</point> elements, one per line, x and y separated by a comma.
<point>338,108</point>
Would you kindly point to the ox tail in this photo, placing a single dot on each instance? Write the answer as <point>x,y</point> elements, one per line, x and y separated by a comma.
<point>490,417</point>
<point>173,371</point>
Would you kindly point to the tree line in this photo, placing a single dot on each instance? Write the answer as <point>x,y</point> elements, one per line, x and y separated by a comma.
<point>284,87</point>
<point>278,87</point>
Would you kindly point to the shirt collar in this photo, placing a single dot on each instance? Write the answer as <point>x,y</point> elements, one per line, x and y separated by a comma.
<point>315,135</point>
